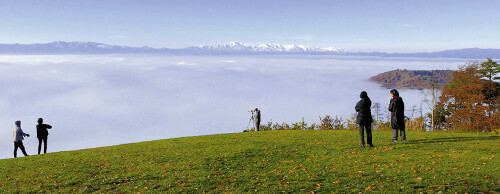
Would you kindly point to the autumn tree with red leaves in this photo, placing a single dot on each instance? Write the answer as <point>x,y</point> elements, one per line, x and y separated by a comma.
<point>469,101</point>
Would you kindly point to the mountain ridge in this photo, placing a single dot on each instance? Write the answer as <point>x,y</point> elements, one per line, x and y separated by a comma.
<point>232,48</point>
<point>237,46</point>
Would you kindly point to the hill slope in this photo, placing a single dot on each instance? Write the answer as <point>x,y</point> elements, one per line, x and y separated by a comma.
<point>413,79</point>
<point>271,161</point>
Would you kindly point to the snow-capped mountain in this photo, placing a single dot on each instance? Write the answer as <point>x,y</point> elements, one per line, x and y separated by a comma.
<point>232,48</point>
<point>236,47</point>
<point>229,48</point>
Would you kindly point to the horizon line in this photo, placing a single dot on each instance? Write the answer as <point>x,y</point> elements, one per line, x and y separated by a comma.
<point>250,44</point>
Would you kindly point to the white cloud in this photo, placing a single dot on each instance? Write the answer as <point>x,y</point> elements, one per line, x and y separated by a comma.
<point>99,100</point>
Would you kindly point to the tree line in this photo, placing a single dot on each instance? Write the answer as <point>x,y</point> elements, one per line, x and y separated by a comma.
<point>469,102</point>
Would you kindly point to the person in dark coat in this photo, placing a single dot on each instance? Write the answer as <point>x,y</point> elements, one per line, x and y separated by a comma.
<point>364,118</point>
<point>397,108</point>
<point>257,119</point>
<point>42,133</point>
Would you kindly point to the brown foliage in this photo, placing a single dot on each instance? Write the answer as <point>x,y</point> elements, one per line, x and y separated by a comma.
<point>329,123</point>
<point>464,99</point>
<point>415,124</point>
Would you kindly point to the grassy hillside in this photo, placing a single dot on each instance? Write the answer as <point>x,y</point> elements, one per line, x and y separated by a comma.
<point>271,161</point>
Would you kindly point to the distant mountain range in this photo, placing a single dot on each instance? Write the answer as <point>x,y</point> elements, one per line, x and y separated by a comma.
<point>236,47</point>
<point>60,47</point>
<point>233,48</point>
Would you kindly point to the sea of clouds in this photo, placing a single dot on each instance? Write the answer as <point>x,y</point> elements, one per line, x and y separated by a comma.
<point>101,100</point>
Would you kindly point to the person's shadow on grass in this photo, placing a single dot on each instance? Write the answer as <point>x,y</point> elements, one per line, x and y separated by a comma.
<point>453,139</point>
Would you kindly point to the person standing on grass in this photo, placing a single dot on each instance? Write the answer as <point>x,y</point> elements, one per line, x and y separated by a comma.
<point>18,139</point>
<point>364,118</point>
<point>397,108</point>
<point>256,118</point>
<point>42,133</point>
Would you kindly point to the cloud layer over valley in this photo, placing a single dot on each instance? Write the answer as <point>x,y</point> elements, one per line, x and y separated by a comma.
<point>101,100</point>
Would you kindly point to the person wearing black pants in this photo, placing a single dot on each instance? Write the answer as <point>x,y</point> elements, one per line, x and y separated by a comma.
<point>42,133</point>
<point>397,109</point>
<point>364,118</point>
<point>18,139</point>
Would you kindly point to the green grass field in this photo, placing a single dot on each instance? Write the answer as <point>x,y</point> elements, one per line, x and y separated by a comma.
<point>270,161</point>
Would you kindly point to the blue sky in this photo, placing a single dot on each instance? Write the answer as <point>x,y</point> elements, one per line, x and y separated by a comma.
<point>362,25</point>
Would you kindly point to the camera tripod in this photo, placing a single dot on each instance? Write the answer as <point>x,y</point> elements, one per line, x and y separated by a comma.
<point>251,119</point>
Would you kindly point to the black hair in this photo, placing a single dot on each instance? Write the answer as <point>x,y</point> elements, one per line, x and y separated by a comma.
<point>363,94</point>
<point>395,92</point>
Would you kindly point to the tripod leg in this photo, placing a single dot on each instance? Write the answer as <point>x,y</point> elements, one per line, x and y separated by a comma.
<point>251,118</point>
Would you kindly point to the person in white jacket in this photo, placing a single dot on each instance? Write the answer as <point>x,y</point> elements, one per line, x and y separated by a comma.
<point>18,139</point>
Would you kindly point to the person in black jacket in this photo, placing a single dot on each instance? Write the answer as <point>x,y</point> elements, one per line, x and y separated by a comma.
<point>397,108</point>
<point>42,134</point>
<point>257,119</point>
<point>364,118</point>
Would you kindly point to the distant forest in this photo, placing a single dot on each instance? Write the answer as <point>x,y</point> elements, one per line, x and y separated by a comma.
<point>413,79</point>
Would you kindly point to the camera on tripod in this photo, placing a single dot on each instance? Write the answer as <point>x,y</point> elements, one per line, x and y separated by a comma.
<point>252,111</point>
<point>255,117</point>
